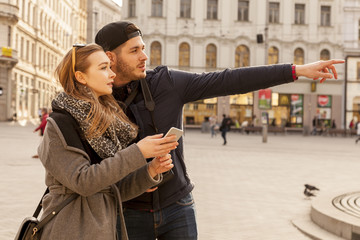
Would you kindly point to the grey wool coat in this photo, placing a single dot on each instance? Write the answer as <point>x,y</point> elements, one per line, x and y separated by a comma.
<point>93,214</point>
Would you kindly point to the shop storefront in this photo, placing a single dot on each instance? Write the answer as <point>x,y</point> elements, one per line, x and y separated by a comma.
<point>195,113</point>
<point>324,111</point>
<point>241,109</point>
<point>283,110</point>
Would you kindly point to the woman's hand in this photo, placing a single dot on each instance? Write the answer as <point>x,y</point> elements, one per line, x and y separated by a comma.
<point>155,146</point>
<point>160,165</point>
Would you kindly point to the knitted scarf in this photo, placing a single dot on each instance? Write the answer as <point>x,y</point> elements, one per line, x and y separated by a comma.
<point>116,137</point>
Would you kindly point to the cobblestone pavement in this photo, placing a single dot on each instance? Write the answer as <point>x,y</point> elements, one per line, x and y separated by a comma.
<point>244,190</point>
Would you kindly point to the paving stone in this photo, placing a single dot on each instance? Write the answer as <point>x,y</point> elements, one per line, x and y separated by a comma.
<point>245,190</point>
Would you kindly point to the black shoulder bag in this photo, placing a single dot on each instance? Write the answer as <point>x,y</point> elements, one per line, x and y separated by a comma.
<point>30,228</point>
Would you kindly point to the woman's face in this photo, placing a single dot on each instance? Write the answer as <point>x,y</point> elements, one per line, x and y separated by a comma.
<point>99,76</point>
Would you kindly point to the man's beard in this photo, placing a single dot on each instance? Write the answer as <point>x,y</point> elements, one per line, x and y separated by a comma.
<point>126,72</point>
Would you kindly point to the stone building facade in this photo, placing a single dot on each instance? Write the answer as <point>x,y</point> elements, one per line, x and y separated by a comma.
<point>100,13</point>
<point>211,35</point>
<point>38,33</point>
<point>351,34</point>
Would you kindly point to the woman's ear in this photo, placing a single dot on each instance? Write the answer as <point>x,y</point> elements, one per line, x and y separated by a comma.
<point>80,77</point>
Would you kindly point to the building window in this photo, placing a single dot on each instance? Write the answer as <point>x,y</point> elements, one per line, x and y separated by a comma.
<point>33,53</point>
<point>27,51</point>
<point>242,56</point>
<point>243,10</point>
<point>299,13</point>
<point>184,55</point>
<point>185,8</point>
<point>34,17</point>
<point>299,56</point>
<point>211,56</point>
<point>323,110</point>
<point>22,48</point>
<point>132,5</point>
<point>325,15</point>
<point>29,13</point>
<point>324,55</point>
<point>9,37</point>
<point>39,58</point>
<point>356,108</point>
<point>156,8</point>
<point>358,71</point>
<point>359,31</point>
<point>274,12</point>
<point>23,10</point>
<point>273,55</point>
<point>155,54</point>
<point>212,7</point>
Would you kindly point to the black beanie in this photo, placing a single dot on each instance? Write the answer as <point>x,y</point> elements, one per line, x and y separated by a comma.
<point>113,35</point>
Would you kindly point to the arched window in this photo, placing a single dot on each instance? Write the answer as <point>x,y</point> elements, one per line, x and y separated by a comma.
<point>299,56</point>
<point>242,56</point>
<point>184,55</point>
<point>324,54</point>
<point>273,55</point>
<point>211,56</point>
<point>155,54</point>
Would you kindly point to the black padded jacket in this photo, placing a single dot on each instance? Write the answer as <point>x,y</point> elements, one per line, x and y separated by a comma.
<point>171,89</point>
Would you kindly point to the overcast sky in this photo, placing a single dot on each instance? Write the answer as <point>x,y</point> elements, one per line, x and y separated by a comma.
<point>118,2</point>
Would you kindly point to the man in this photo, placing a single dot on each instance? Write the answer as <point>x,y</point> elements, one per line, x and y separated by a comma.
<point>168,211</point>
<point>225,127</point>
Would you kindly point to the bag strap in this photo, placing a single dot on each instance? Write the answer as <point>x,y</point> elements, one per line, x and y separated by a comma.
<point>132,95</point>
<point>149,102</point>
<point>53,213</point>
<point>38,209</point>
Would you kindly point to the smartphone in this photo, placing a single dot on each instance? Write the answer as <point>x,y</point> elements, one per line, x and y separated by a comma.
<point>175,131</point>
<point>170,174</point>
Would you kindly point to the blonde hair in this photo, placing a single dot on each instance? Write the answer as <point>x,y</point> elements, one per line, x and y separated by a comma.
<point>105,109</point>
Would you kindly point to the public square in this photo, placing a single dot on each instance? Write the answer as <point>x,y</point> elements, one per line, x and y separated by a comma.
<point>245,190</point>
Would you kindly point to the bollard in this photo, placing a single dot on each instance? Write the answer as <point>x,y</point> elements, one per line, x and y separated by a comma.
<point>264,133</point>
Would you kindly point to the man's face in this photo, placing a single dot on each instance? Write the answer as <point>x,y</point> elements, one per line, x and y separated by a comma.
<point>129,62</point>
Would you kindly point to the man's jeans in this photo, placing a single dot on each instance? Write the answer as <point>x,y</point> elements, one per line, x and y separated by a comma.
<point>176,221</point>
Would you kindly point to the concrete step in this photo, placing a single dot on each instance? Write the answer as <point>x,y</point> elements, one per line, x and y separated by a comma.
<point>312,230</point>
<point>338,214</point>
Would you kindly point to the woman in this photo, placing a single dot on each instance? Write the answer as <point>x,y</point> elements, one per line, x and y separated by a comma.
<point>44,116</point>
<point>84,151</point>
<point>41,127</point>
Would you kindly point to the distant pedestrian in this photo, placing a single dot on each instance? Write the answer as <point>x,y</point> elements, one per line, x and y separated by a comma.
<point>333,124</point>
<point>358,131</point>
<point>225,127</point>
<point>44,115</point>
<point>351,124</point>
<point>244,125</point>
<point>213,123</point>
<point>314,124</point>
